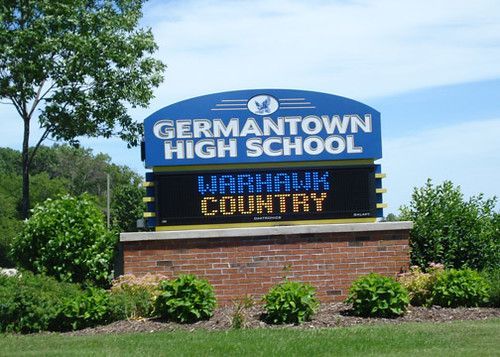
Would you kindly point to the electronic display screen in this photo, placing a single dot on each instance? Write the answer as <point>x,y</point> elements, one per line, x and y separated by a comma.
<point>263,195</point>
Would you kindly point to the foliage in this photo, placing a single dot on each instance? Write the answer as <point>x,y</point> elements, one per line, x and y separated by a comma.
<point>67,238</point>
<point>29,303</point>
<point>492,276</point>
<point>239,315</point>
<point>84,170</point>
<point>90,308</point>
<point>420,284</point>
<point>77,67</point>
<point>134,297</point>
<point>127,207</point>
<point>450,230</point>
<point>377,295</point>
<point>290,302</point>
<point>464,287</point>
<point>55,171</point>
<point>186,299</point>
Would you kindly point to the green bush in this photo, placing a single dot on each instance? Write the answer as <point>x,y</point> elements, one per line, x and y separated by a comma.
<point>186,299</point>
<point>90,308</point>
<point>67,238</point>
<point>450,230</point>
<point>290,302</point>
<point>420,284</point>
<point>492,276</point>
<point>30,303</point>
<point>134,297</point>
<point>377,295</point>
<point>460,288</point>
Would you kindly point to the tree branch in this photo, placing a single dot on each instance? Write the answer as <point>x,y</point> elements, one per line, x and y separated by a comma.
<point>37,99</point>
<point>42,138</point>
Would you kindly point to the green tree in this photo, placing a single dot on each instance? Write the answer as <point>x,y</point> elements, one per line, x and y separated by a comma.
<point>451,230</point>
<point>127,207</point>
<point>75,65</point>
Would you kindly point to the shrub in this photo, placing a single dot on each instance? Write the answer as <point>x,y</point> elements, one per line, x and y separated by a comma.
<point>460,288</point>
<point>134,297</point>
<point>67,238</point>
<point>450,230</point>
<point>377,295</point>
<point>290,302</point>
<point>127,207</point>
<point>186,299</point>
<point>420,284</point>
<point>30,303</point>
<point>492,276</point>
<point>88,309</point>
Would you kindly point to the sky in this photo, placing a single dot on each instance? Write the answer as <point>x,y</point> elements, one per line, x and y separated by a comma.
<point>432,68</point>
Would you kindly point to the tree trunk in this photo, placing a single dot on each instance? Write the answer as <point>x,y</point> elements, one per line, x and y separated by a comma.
<point>25,207</point>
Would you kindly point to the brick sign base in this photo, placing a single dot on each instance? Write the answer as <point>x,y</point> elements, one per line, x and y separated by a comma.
<point>239,262</point>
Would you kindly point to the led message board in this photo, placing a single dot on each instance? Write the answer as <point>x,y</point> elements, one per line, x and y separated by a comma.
<point>265,195</point>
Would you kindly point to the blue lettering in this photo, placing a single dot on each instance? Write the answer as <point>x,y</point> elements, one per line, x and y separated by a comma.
<point>227,182</point>
<point>259,183</point>
<point>211,187</point>
<point>301,185</point>
<point>320,180</point>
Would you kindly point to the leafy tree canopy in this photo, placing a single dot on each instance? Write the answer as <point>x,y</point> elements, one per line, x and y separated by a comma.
<point>79,63</point>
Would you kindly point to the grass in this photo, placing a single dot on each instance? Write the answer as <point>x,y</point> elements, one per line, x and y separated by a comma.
<point>474,338</point>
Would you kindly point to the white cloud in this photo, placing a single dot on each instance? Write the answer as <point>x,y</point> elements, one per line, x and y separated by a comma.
<point>466,154</point>
<point>357,49</point>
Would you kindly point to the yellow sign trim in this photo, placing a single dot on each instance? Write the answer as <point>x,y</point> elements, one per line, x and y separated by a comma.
<point>265,224</point>
<point>266,165</point>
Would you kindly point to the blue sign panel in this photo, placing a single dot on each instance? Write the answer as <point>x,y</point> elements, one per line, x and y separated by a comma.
<point>259,126</point>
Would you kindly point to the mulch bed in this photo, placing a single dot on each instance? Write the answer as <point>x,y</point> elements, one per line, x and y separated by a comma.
<point>329,315</point>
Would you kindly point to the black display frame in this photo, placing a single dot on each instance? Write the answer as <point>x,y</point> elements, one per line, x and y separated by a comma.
<point>368,192</point>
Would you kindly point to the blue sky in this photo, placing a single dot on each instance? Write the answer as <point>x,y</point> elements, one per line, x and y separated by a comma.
<point>432,68</point>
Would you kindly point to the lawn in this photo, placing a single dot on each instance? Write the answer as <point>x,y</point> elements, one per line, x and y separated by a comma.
<point>474,338</point>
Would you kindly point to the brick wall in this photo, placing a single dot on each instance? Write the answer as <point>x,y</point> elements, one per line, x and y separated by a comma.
<point>237,266</point>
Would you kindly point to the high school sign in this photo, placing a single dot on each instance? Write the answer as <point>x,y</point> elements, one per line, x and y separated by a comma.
<point>262,156</point>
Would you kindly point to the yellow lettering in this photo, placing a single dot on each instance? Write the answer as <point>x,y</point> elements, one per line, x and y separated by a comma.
<point>300,199</point>
<point>223,205</point>
<point>260,203</point>
<point>282,197</point>
<point>319,200</point>
<point>204,206</point>
<point>251,204</point>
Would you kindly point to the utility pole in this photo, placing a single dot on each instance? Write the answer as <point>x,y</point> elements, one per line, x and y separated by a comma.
<point>108,199</point>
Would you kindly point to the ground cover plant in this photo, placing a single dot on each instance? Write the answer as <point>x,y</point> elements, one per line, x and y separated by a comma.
<point>290,302</point>
<point>420,284</point>
<point>185,299</point>
<point>377,295</point>
<point>493,278</point>
<point>134,297</point>
<point>466,338</point>
<point>464,287</point>
<point>31,303</point>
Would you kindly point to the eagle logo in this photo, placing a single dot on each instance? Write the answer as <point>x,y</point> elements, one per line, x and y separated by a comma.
<point>263,104</point>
